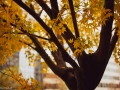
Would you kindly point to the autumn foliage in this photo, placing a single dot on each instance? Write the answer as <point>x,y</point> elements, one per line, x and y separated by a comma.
<point>81,33</point>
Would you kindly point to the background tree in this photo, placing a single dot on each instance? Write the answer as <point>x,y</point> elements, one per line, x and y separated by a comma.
<point>81,33</point>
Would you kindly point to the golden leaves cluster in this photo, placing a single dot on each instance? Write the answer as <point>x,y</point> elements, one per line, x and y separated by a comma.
<point>80,45</point>
<point>8,36</point>
<point>12,79</point>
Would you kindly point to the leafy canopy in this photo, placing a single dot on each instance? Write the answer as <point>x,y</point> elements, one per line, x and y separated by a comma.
<point>88,17</point>
<point>19,29</point>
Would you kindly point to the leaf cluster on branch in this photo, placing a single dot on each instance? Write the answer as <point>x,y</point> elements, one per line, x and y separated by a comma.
<point>81,33</point>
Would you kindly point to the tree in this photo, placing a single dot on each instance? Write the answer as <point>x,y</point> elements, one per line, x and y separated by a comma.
<point>80,25</point>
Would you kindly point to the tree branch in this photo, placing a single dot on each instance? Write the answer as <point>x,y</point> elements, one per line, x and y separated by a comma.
<point>65,55</point>
<point>11,77</point>
<point>14,25</point>
<point>54,6</point>
<point>29,34</point>
<point>44,55</point>
<point>68,35</point>
<point>28,44</point>
<point>105,35</point>
<point>102,53</point>
<point>74,18</point>
<point>31,12</point>
<point>49,39</point>
<point>113,42</point>
<point>39,13</point>
<point>59,60</point>
<point>45,7</point>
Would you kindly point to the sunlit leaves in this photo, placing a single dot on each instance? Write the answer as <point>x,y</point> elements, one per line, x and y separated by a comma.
<point>80,44</point>
<point>106,14</point>
<point>44,67</point>
<point>11,78</point>
<point>8,8</point>
<point>8,46</point>
<point>28,2</point>
<point>9,12</point>
<point>53,46</point>
<point>116,52</point>
<point>17,26</point>
<point>70,40</point>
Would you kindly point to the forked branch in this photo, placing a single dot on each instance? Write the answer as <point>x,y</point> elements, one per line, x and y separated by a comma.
<point>45,7</point>
<point>106,30</point>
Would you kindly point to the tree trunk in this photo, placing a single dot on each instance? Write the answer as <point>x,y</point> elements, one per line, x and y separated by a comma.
<point>87,73</point>
<point>88,77</point>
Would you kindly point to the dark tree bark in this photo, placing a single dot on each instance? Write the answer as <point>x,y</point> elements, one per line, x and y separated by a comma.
<point>86,75</point>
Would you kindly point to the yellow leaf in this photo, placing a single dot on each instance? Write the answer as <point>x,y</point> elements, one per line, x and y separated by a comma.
<point>76,44</point>
<point>90,51</point>
<point>117,60</point>
<point>70,40</point>
<point>77,52</point>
